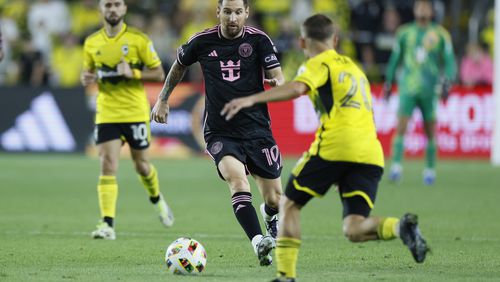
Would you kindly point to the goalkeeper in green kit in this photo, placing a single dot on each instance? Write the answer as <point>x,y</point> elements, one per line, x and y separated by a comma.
<point>426,52</point>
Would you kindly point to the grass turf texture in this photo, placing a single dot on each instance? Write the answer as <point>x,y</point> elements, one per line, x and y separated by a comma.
<point>48,207</point>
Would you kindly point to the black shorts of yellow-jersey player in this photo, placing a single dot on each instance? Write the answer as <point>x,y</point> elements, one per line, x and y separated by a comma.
<point>260,156</point>
<point>357,183</point>
<point>136,134</point>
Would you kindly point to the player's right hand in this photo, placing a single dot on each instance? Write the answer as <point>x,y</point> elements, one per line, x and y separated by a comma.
<point>88,78</point>
<point>160,112</point>
<point>386,90</point>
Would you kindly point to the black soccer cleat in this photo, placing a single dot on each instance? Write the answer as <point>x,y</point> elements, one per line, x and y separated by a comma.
<point>412,238</point>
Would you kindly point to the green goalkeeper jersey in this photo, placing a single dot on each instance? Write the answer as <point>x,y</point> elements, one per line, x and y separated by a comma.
<point>425,52</point>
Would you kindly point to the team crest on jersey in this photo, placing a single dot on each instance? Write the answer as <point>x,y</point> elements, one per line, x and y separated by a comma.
<point>124,49</point>
<point>216,148</point>
<point>431,40</point>
<point>245,50</point>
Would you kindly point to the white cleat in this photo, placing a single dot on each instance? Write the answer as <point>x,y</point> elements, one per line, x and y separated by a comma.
<point>164,212</point>
<point>104,231</point>
<point>263,250</point>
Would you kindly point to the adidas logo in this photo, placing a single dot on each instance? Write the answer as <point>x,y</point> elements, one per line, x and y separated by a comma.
<point>213,54</point>
<point>41,128</point>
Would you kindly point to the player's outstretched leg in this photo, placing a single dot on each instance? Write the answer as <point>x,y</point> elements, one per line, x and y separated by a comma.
<point>270,221</point>
<point>412,237</point>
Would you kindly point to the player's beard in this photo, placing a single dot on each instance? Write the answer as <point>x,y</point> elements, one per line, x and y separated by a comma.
<point>113,21</point>
<point>233,31</point>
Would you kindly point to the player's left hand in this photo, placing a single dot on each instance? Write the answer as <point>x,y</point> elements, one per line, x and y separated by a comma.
<point>234,106</point>
<point>273,82</point>
<point>123,68</point>
<point>160,112</point>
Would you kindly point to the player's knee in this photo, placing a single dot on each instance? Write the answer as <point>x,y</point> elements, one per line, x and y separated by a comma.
<point>238,184</point>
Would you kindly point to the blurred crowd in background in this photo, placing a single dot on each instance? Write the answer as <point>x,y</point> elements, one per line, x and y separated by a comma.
<point>43,39</point>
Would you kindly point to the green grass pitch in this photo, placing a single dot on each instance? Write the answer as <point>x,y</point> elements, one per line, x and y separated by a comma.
<point>48,207</point>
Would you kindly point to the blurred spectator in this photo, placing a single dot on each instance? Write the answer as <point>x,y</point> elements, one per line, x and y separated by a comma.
<point>488,33</point>
<point>286,36</point>
<point>32,68</point>
<point>365,17</point>
<point>385,38</point>
<point>85,17</point>
<point>476,67</point>
<point>267,12</point>
<point>10,36</point>
<point>372,70</point>
<point>66,62</point>
<point>1,44</point>
<point>338,10</point>
<point>164,40</point>
<point>14,9</point>
<point>47,18</point>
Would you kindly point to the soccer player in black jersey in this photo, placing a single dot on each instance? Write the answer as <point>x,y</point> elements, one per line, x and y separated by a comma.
<point>236,61</point>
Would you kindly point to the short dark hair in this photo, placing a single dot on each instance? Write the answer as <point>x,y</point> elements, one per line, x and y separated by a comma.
<point>318,27</point>
<point>245,3</point>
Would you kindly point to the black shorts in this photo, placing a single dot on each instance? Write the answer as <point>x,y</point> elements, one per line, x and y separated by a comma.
<point>136,134</point>
<point>260,156</point>
<point>357,183</point>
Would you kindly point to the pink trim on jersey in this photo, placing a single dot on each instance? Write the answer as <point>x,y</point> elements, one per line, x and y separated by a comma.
<point>269,67</point>
<point>208,31</point>
<point>220,33</point>
<point>253,30</point>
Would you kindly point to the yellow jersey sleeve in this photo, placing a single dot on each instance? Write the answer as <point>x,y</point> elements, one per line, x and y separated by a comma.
<point>313,74</point>
<point>148,55</point>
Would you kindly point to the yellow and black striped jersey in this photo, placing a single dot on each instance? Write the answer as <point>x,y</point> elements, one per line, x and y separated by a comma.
<point>120,99</point>
<point>340,93</point>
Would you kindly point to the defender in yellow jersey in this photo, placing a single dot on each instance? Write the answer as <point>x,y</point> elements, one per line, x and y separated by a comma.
<point>119,58</point>
<point>345,152</point>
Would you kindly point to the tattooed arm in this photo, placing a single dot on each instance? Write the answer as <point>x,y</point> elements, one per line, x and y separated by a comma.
<point>161,109</point>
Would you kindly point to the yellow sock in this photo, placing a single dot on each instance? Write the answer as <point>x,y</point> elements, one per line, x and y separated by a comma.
<point>107,191</point>
<point>387,229</point>
<point>287,251</point>
<point>151,183</point>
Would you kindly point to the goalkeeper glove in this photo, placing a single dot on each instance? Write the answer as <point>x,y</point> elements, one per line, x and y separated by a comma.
<point>386,90</point>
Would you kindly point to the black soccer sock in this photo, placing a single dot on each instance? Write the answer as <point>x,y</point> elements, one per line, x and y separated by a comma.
<point>270,210</point>
<point>245,213</point>
<point>154,199</point>
<point>108,220</point>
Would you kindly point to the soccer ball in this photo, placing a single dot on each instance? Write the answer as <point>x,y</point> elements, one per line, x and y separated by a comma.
<point>186,256</point>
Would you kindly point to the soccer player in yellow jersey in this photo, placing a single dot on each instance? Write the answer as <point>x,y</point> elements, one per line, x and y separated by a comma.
<point>119,58</point>
<point>345,152</point>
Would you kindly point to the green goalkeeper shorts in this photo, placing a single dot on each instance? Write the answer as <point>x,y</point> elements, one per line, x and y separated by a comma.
<point>426,103</point>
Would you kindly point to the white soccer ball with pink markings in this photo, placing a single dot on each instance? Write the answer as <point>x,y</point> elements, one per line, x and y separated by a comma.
<point>186,256</point>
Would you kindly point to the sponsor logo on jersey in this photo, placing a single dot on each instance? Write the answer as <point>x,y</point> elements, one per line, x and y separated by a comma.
<point>230,70</point>
<point>213,54</point>
<point>270,58</point>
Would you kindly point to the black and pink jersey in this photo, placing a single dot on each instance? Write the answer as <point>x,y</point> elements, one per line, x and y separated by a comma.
<point>232,68</point>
